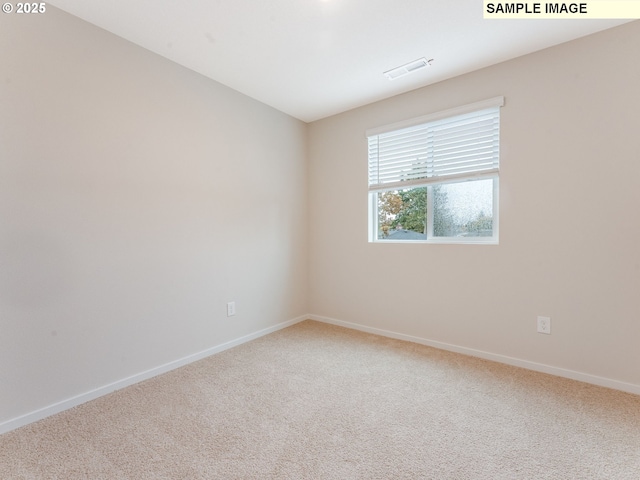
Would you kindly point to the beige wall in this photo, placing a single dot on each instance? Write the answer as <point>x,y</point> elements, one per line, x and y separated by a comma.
<point>136,199</point>
<point>569,224</point>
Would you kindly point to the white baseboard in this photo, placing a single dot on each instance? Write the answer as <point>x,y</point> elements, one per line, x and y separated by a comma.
<point>538,367</point>
<point>45,412</point>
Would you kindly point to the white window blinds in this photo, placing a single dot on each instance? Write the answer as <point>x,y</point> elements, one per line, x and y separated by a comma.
<point>456,145</point>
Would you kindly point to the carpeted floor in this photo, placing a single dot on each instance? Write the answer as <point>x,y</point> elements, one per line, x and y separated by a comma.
<point>316,401</point>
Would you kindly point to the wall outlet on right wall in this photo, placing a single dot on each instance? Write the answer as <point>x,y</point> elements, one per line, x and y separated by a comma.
<point>544,325</point>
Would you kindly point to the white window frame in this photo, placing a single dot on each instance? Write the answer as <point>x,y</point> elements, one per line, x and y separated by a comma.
<point>481,172</point>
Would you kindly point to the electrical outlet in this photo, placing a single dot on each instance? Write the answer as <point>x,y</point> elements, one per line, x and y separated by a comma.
<point>544,325</point>
<point>231,309</point>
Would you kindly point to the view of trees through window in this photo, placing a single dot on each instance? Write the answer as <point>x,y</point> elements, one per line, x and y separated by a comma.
<point>459,210</point>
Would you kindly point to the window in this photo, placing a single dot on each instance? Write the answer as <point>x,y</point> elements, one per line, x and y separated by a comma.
<point>435,178</point>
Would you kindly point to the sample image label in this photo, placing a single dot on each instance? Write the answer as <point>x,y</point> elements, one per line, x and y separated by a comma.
<point>587,9</point>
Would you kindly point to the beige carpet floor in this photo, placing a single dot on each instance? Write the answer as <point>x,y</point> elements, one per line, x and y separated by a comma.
<point>316,401</point>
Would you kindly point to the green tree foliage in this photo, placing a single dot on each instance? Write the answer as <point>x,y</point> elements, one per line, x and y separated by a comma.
<point>413,215</point>
<point>408,209</point>
<point>389,206</point>
<point>405,208</point>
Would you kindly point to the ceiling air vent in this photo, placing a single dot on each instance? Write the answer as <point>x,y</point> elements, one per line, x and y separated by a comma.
<point>408,68</point>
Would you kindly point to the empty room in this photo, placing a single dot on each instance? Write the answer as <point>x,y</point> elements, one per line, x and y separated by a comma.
<point>319,239</point>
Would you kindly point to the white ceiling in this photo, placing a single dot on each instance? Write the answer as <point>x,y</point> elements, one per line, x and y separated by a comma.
<point>315,58</point>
